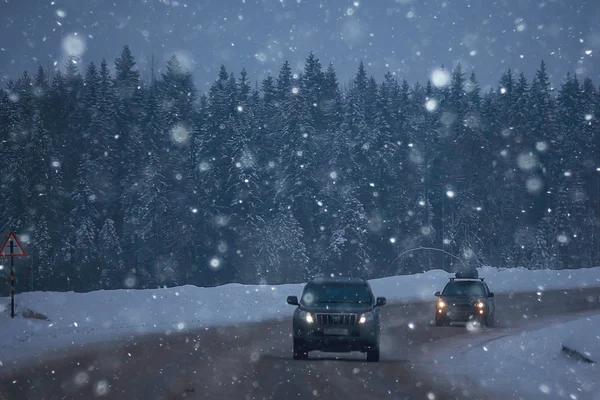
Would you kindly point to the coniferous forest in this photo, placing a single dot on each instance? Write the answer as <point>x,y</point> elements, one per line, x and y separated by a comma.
<point>116,182</point>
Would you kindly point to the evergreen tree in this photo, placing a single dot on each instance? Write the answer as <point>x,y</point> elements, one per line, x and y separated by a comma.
<point>110,254</point>
<point>349,248</point>
<point>125,148</point>
<point>146,216</point>
<point>296,160</point>
<point>79,250</point>
<point>42,256</point>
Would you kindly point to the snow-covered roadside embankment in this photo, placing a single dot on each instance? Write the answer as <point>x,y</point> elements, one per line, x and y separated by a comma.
<point>584,342</point>
<point>531,364</point>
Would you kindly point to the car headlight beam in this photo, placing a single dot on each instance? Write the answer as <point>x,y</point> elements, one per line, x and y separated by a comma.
<point>480,304</point>
<point>364,318</point>
<point>307,317</point>
<point>441,304</point>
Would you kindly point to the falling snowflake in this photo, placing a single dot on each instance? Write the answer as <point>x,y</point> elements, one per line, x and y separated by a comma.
<point>179,133</point>
<point>562,238</point>
<point>440,78</point>
<point>545,388</point>
<point>431,105</point>
<point>527,161</point>
<point>81,378</point>
<point>541,146</point>
<point>101,388</point>
<point>215,263</point>
<point>534,185</point>
<point>130,281</point>
<point>74,45</point>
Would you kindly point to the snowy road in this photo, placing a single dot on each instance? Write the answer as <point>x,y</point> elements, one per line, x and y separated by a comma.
<point>254,361</point>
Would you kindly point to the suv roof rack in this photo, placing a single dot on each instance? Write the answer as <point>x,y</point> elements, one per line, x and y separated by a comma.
<point>467,279</point>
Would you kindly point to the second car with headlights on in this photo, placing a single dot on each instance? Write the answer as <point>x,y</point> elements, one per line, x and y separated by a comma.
<point>337,315</point>
<point>465,298</point>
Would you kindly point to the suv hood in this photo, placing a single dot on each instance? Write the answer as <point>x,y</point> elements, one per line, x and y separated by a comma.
<point>337,308</point>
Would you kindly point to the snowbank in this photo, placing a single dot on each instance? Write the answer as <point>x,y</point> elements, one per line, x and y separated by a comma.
<point>530,364</point>
<point>79,318</point>
<point>584,339</point>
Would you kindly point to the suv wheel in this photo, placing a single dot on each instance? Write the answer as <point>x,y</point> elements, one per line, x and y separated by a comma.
<point>300,352</point>
<point>373,354</point>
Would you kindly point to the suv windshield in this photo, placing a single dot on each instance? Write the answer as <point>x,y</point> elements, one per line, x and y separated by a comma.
<point>465,288</point>
<point>337,293</point>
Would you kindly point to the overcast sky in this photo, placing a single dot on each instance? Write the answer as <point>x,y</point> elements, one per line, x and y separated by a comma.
<point>406,37</point>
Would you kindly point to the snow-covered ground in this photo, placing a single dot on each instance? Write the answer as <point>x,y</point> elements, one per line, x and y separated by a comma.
<point>531,364</point>
<point>80,318</point>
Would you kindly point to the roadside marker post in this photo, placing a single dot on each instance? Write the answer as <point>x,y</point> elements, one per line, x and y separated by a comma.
<point>12,252</point>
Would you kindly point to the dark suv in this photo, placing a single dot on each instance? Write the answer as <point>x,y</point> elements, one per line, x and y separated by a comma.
<point>336,315</point>
<point>465,298</point>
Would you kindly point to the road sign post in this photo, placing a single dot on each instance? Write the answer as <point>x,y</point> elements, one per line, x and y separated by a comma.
<point>12,252</point>
<point>12,281</point>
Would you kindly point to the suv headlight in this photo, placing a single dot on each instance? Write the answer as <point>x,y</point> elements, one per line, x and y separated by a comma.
<point>480,304</point>
<point>306,316</point>
<point>441,304</point>
<point>366,317</point>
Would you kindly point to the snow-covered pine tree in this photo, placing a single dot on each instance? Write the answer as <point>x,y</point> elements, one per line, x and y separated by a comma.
<point>79,250</point>
<point>294,137</point>
<point>110,257</point>
<point>126,142</point>
<point>177,95</point>
<point>288,255</point>
<point>349,247</point>
<point>42,256</point>
<point>14,182</point>
<point>146,215</point>
<point>70,127</point>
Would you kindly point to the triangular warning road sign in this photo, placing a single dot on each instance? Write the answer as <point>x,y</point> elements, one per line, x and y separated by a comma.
<point>17,249</point>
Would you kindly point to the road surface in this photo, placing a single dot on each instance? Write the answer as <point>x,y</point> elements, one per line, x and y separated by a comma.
<point>254,361</point>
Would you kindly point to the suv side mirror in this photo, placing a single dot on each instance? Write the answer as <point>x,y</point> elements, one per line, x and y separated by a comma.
<point>491,294</point>
<point>381,301</point>
<point>437,294</point>
<point>292,300</point>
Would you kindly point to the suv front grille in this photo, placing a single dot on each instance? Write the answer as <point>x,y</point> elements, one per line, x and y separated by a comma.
<point>336,319</point>
<point>462,306</point>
